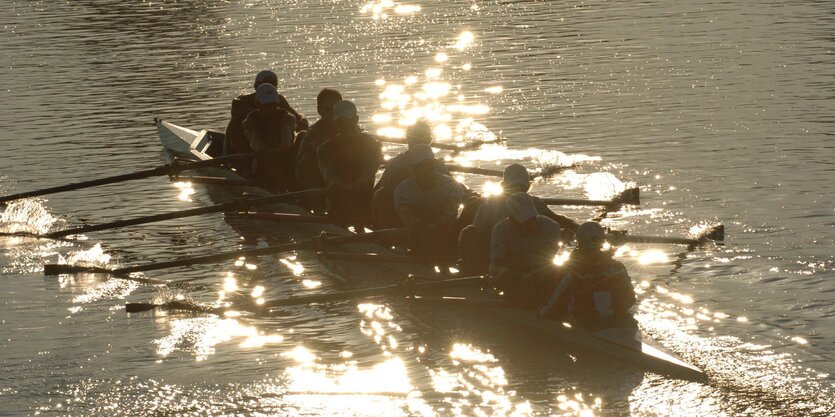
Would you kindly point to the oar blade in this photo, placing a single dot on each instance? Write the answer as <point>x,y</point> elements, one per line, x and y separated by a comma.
<point>139,307</point>
<point>631,196</point>
<point>58,269</point>
<point>715,233</point>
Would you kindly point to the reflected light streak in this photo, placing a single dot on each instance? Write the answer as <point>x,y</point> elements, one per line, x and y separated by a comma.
<point>201,335</point>
<point>491,188</point>
<point>311,284</point>
<point>464,41</point>
<point>389,377</point>
<point>653,256</point>
<point>186,190</point>
<point>380,9</point>
<point>295,267</point>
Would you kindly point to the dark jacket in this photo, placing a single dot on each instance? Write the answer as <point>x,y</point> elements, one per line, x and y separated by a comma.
<point>600,286</point>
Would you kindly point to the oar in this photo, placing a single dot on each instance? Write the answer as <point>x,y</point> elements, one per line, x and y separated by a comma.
<point>630,196</point>
<point>408,287</point>
<point>445,146</point>
<point>216,181</point>
<point>282,217</point>
<point>715,233</point>
<point>316,243</point>
<point>545,172</point>
<point>171,169</point>
<point>241,204</point>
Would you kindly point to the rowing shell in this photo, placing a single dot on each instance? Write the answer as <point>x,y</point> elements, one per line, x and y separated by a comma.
<point>628,344</point>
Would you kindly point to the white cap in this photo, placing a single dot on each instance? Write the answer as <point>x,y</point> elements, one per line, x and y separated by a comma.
<point>344,109</point>
<point>420,153</point>
<point>516,174</point>
<point>521,207</point>
<point>266,93</point>
<point>590,235</point>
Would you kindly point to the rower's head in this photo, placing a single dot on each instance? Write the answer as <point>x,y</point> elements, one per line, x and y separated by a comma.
<point>325,102</point>
<point>521,208</point>
<point>590,235</point>
<point>345,115</point>
<point>267,96</point>
<point>516,179</point>
<point>265,76</point>
<point>422,161</point>
<point>419,133</point>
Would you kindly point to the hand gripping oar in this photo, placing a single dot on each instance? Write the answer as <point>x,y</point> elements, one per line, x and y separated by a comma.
<point>630,196</point>
<point>715,233</point>
<point>316,243</point>
<point>170,170</point>
<point>405,288</point>
<point>242,204</point>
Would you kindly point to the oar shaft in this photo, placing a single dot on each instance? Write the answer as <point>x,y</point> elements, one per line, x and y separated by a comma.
<point>241,204</point>
<point>576,202</point>
<point>168,169</point>
<point>404,289</point>
<point>617,238</point>
<point>283,217</point>
<point>475,170</point>
<point>225,256</point>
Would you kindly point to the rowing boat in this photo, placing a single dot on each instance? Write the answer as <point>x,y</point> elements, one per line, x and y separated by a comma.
<point>628,344</point>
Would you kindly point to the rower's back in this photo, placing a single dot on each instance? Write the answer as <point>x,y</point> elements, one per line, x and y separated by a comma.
<point>600,287</point>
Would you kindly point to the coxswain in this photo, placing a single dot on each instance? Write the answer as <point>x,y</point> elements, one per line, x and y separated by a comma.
<point>269,130</point>
<point>246,103</point>
<point>307,142</point>
<point>348,163</point>
<point>398,169</point>
<point>474,240</point>
<point>522,251</point>
<point>427,202</point>
<point>594,288</point>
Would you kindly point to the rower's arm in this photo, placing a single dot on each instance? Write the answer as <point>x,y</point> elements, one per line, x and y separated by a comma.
<point>326,165</point>
<point>234,130</point>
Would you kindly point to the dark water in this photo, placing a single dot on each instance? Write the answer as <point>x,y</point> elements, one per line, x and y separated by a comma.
<point>722,112</point>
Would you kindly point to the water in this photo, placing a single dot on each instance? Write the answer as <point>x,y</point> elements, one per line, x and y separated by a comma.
<point>721,112</point>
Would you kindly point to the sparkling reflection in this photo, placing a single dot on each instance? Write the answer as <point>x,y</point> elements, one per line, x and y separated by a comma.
<point>28,215</point>
<point>200,336</point>
<point>380,9</point>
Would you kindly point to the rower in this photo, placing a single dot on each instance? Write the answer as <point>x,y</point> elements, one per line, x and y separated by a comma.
<point>398,169</point>
<point>522,251</point>
<point>269,133</point>
<point>307,162</point>
<point>428,203</point>
<point>348,163</point>
<point>594,287</point>
<point>474,240</point>
<point>246,103</point>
